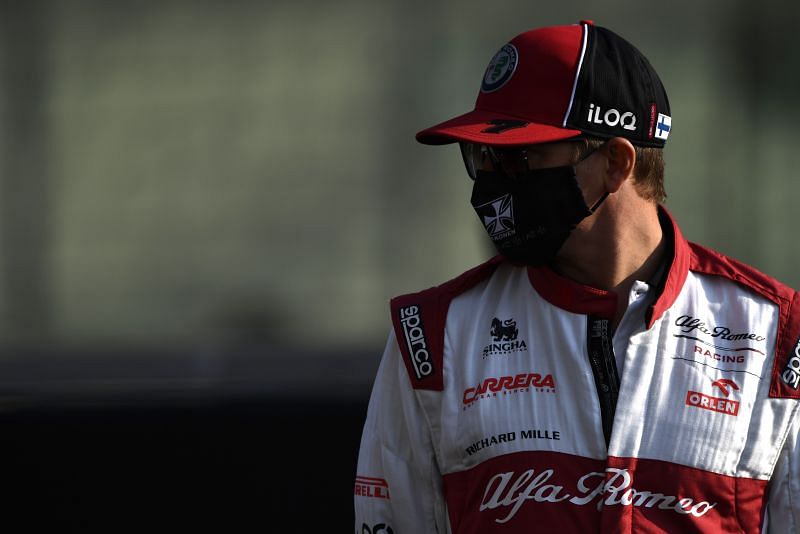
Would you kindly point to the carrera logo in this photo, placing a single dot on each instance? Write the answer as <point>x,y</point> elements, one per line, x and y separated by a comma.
<point>504,334</point>
<point>416,341</point>
<point>376,488</point>
<point>612,117</point>
<point>791,373</point>
<point>506,385</point>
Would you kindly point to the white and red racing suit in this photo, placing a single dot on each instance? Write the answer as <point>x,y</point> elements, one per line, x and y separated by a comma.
<point>505,403</point>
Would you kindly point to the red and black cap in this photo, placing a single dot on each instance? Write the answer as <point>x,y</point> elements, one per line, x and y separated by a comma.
<point>559,82</point>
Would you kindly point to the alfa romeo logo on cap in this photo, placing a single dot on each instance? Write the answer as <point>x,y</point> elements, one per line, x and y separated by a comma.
<point>500,69</point>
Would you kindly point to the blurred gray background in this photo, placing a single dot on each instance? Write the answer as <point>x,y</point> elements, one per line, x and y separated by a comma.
<point>212,194</point>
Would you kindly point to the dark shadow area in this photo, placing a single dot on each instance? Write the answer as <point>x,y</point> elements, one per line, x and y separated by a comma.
<point>266,464</point>
<point>262,440</point>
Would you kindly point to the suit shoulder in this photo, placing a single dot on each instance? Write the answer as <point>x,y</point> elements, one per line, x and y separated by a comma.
<point>419,320</point>
<point>785,375</point>
<point>709,261</point>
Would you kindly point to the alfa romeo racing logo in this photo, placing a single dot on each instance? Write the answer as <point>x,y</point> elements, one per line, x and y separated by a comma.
<point>500,69</point>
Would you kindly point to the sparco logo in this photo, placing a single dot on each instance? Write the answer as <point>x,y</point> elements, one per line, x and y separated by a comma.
<point>520,383</point>
<point>612,488</point>
<point>791,373</point>
<point>416,341</point>
<point>612,117</point>
<point>380,528</point>
<point>689,324</point>
<point>504,334</point>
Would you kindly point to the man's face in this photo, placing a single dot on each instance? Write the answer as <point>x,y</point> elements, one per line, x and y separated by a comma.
<point>512,160</point>
<point>516,160</point>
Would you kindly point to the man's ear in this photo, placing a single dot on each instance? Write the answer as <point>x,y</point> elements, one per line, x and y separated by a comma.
<point>621,158</point>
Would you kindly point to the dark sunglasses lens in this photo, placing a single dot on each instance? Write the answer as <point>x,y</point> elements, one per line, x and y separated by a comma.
<point>471,153</point>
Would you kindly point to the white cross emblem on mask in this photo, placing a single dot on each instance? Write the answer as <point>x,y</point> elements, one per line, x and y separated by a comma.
<point>503,218</point>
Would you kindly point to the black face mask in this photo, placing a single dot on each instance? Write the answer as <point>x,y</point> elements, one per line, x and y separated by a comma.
<point>529,216</point>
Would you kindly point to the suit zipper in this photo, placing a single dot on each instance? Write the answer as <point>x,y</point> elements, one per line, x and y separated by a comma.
<point>604,369</point>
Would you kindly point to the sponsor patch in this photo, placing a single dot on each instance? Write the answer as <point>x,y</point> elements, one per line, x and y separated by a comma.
<point>690,325</point>
<point>376,488</point>
<point>723,359</point>
<point>500,69</point>
<point>663,126</point>
<point>498,217</point>
<point>504,338</point>
<point>415,339</point>
<point>509,385</point>
<point>652,121</point>
<point>725,386</point>
<point>791,371</point>
<point>611,117</point>
<point>507,492</point>
<point>712,354</point>
<point>720,347</point>
<point>509,437</point>
<point>714,404</point>
<point>504,330</point>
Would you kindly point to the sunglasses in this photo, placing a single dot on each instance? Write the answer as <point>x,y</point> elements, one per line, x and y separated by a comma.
<point>510,161</point>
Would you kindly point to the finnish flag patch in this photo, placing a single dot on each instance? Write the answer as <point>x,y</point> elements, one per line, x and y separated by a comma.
<point>663,126</point>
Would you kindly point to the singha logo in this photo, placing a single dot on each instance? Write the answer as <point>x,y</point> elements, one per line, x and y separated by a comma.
<point>504,339</point>
<point>505,330</point>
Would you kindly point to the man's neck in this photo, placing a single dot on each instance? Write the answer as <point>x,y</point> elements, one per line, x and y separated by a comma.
<point>618,248</point>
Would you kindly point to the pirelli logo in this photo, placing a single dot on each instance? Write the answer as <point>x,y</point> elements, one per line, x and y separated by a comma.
<point>416,342</point>
<point>376,488</point>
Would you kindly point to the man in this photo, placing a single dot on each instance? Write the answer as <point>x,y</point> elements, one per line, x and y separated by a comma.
<point>601,374</point>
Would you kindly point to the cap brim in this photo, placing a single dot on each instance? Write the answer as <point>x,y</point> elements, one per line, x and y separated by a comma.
<point>488,128</point>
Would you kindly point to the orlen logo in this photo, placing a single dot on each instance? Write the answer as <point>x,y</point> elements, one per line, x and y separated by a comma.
<point>791,373</point>
<point>376,488</point>
<point>415,339</point>
<point>522,382</point>
<point>715,404</point>
<point>612,117</point>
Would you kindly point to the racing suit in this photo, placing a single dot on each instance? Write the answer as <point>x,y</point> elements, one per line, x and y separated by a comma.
<point>505,403</point>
